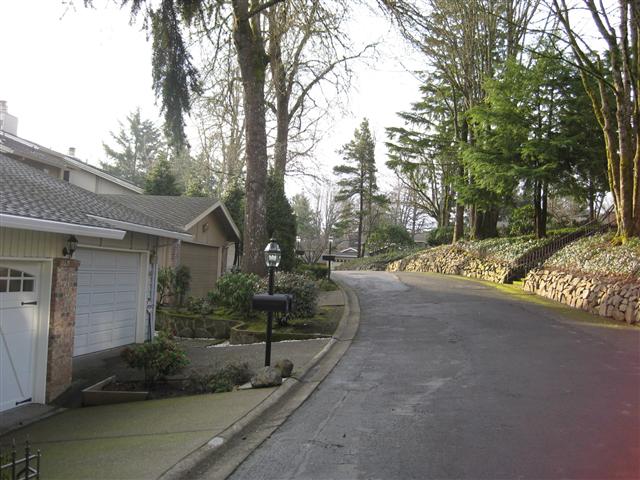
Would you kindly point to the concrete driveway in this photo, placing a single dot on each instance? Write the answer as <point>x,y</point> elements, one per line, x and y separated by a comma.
<point>452,378</point>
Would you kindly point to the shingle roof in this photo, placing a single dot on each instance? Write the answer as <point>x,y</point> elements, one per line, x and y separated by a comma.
<point>27,192</point>
<point>13,145</point>
<point>179,211</point>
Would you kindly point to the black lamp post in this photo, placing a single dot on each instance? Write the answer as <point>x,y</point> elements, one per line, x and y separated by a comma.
<point>272,255</point>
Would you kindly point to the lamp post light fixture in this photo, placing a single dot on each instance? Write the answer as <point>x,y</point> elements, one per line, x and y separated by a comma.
<point>72,245</point>
<point>299,251</point>
<point>272,255</point>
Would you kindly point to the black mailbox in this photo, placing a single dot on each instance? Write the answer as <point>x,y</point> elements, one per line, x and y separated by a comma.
<point>329,258</point>
<point>279,302</point>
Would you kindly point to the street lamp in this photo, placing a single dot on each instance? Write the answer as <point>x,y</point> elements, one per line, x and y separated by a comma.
<point>299,251</point>
<point>272,255</point>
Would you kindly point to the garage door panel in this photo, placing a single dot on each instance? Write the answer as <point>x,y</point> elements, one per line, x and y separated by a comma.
<point>107,300</point>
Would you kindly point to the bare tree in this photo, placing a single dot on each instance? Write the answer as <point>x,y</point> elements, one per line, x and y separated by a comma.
<point>308,48</point>
<point>612,81</point>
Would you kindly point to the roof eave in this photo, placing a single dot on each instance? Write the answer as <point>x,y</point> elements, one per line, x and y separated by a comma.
<point>135,227</point>
<point>42,225</point>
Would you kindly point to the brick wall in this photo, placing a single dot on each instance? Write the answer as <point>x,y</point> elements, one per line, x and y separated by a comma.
<point>62,321</point>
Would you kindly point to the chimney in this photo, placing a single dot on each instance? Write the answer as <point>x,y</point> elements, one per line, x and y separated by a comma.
<point>72,151</point>
<point>8,123</point>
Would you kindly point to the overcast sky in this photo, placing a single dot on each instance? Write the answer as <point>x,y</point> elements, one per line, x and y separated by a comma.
<point>75,72</point>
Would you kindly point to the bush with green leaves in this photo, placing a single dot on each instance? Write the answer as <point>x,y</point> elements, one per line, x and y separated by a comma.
<point>222,380</point>
<point>303,289</point>
<point>235,291</point>
<point>521,221</point>
<point>157,359</point>
<point>389,236</point>
<point>440,236</point>
<point>200,305</point>
<point>166,280</point>
<point>317,271</point>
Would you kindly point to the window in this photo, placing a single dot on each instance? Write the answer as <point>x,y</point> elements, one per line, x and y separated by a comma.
<point>65,175</point>
<point>12,281</point>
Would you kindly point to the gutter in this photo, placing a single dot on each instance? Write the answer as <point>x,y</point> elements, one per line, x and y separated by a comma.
<point>40,225</point>
<point>135,227</point>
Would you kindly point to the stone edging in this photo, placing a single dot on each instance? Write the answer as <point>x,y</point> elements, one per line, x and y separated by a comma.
<point>344,334</point>
<point>610,298</point>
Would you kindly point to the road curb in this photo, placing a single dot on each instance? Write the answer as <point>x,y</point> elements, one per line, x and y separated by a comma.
<point>273,410</point>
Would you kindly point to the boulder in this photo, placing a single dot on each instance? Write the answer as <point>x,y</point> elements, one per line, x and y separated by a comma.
<point>285,367</point>
<point>266,377</point>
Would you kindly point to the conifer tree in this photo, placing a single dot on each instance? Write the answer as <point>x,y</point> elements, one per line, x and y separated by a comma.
<point>161,180</point>
<point>359,179</point>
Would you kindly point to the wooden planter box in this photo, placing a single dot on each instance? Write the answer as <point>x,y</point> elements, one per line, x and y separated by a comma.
<point>97,394</point>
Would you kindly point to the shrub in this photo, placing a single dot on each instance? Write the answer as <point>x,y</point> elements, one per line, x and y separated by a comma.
<point>235,291</point>
<point>317,271</point>
<point>222,380</point>
<point>440,236</point>
<point>181,282</point>
<point>521,221</point>
<point>166,280</point>
<point>303,289</point>
<point>157,359</point>
<point>173,282</point>
<point>200,305</point>
<point>389,237</point>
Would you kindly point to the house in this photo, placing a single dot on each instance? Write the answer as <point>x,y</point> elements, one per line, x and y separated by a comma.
<point>64,167</point>
<point>212,250</point>
<point>54,305</point>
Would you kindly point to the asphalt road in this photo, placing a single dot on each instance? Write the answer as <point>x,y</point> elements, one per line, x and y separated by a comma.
<point>450,378</point>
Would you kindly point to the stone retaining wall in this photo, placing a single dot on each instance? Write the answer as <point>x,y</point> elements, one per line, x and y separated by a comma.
<point>452,260</point>
<point>193,326</point>
<point>611,298</point>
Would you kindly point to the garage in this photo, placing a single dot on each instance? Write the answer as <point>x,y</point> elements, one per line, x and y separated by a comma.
<point>19,327</point>
<point>109,299</point>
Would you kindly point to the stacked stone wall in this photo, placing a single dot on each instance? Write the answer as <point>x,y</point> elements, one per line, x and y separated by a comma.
<point>62,320</point>
<point>607,297</point>
<point>451,260</point>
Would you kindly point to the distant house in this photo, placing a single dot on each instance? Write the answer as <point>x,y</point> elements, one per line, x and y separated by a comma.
<point>211,251</point>
<point>54,305</point>
<point>64,167</point>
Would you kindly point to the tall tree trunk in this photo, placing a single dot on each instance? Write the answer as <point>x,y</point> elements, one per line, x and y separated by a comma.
<point>253,62</point>
<point>282,93</point>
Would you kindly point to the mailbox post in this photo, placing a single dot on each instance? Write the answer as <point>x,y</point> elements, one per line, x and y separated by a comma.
<point>272,255</point>
<point>329,258</point>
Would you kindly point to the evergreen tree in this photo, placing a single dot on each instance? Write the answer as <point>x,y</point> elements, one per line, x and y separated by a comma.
<point>359,180</point>
<point>138,145</point>
<point>160,180</point>
<point>281,221</point>
<point>305,217</point>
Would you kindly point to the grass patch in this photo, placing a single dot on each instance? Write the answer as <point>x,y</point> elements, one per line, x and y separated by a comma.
<point>324,322</point>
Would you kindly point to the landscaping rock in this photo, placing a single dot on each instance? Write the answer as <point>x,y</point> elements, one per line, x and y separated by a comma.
<point>285,366</point>
<point>266,377</point>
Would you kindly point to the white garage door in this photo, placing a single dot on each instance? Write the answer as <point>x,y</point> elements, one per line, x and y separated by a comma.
<point>18,331</point>
<point>107,305</point>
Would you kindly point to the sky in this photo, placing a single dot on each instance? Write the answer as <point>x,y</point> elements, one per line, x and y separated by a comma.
<point>76,72</point>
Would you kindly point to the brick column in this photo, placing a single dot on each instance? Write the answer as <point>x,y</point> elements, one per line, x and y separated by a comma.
<point>62,320</point>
